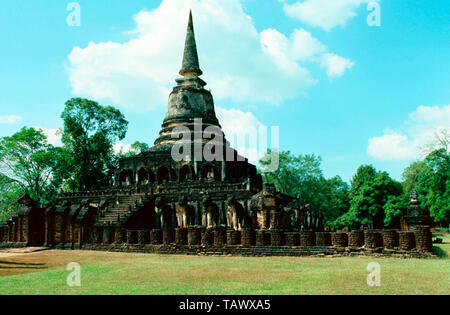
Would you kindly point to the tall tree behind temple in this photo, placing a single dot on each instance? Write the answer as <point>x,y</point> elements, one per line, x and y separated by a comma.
<point>90,131</point>
<point>301,176</point>
<point>369,194</point>
<point>28,164</point>
<point>433,185</point>
<point>136,148</point>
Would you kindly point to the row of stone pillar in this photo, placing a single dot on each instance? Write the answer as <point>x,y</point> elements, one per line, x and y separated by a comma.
<point>16,232</point>
<point>220,236</point>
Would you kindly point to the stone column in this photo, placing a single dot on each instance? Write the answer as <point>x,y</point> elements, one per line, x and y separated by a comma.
<point>194,236</point>
<point>107,235</point>
<point>156,237</point>
<point>323,239</point>
<point>168,236</point>
<point>118,236</point>
<point>373,239</point>
<point>307,238</point>
<point>223,173</point>
<point>423,238</point>
<point>220,236</point>
<point>233,237</point>
<point>208,237</point>
<point>248,237</point>
<point>356,239</point>
<point>198,214</point>
<point>339,239</point>
<point>276,238</point>
<point>390,239</point>
<point>181,236</point>
<point>406,240</point>
<point>262,238</point>
<point>292,239</point>
<point>141,237</point>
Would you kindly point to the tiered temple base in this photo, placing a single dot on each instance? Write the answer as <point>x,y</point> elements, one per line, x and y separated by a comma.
<point>248,242</point>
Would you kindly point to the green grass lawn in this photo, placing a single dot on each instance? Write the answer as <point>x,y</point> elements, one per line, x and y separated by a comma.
<point>118,273</point>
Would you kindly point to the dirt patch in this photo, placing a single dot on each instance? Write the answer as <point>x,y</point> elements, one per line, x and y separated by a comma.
<point>13,263</point>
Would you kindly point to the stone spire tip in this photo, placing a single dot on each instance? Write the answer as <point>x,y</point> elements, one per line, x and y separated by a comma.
<point>190,65</point>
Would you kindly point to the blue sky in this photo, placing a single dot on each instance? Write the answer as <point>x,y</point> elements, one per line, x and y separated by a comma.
<point>352,93</point>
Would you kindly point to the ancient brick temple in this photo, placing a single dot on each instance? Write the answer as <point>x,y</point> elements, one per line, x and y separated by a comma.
<point>160,203</point>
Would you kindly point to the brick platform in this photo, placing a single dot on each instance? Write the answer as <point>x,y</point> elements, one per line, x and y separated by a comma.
<point>406,240</point>
<point>423,238</point>
<point>323,239</point>
<point>255,251</point>
<point>372,239</point>
<point>248,237</point>
<point>292,239</point>
<point>390,239</point>
<point>339,239</point>
<point>356,238</point>
<point>307,238</point>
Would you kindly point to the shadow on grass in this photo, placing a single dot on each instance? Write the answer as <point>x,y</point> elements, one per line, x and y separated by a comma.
<point>2,262</point>
<point>22,267</point>
<point>439,252</point>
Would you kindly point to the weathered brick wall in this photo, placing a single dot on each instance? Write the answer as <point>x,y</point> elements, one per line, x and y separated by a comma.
<point>326,252</point>
<point>220,236</point>
<point>323,238</point>
<point>356,238</point>
<point>248,237</point>
<point>423,238</point>
<point>168,236</point>
<point>274,241</point>
<point>262,238</point>
<point>307,238</point>
<point>208,236</point>
<point>406,240</point>
<point>373,239</point>
<point>390,239</point>
<point>277,238</point>
<point>194,236</point>
<point>181,236</point>
<point>233,237</point>
<point>339,239</point>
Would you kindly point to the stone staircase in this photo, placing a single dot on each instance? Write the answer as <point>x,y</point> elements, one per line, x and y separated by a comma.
<point>120,209</point>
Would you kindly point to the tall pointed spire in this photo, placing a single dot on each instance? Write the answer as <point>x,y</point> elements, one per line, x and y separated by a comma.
<point>190,59</point>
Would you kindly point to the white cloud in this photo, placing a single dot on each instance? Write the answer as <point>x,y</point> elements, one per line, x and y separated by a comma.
<point>240,63</point>
<point>241,129</point>
<point>409,143</point>
<point>10,119</point>
<point>53,136</point>
<point>335,65</point>
<point>121,148</point>
<point>326,14</point>
<point>301,46</point>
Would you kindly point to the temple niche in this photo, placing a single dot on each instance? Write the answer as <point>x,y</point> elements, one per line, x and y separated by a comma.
<point>193,201</point>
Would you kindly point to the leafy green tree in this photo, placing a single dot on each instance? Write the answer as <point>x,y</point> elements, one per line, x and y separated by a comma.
<point>394,209</point>
<point>136,148</point>
<point>10,193</point>
<point>369,194</point>
<point>90,131</point>
<point>411,175</point>
<point>364,174</point>
<point>293,173</point>
<point>301,176</point>
<point>433,185</point>
<point>28,164</point>
<point>336,201</point>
